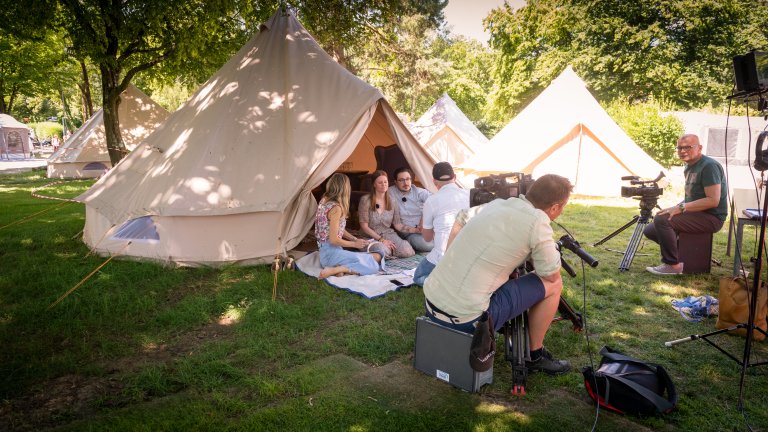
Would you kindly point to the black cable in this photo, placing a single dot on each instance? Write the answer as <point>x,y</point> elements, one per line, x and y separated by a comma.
<point>586,329</point>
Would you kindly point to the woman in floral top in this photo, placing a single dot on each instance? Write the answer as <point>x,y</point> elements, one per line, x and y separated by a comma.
<point>332,238</point>
<point>378,215</point>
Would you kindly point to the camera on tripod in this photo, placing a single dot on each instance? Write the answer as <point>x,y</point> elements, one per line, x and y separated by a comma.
<point>502,186</point>
<point>643,189</point>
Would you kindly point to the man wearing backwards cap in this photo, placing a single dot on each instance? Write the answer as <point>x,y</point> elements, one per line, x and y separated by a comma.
<point>486,245</point>
<point>439,215</point>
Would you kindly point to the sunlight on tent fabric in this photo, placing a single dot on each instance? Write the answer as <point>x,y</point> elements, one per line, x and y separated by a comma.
<point>326,138</point>
<point>139,117</point>
<point>229,89</point>
<point>222,194</point>
<point>248,61</point>
<point>226,251</point>
<point>276,100</point>
<point>199,185</point>
<point>254,112</point>
<point>203,96</point>
<point>300,160</point>
<point>307,117</point>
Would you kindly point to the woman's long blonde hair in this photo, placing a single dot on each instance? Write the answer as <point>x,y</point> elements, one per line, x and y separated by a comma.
<point>387,202</point>
<point>338,189</point>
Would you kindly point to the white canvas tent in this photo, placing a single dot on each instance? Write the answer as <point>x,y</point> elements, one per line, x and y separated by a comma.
<point>228,177</point>
<point>446,132</point>
<point>14,137</point>
<point>84,154</point>
<point>565,131</point>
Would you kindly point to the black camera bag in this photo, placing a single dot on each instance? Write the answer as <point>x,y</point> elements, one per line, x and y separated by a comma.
<point>630,386</point>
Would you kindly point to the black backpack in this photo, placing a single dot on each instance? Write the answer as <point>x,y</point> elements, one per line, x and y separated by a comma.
<point>630,386</point>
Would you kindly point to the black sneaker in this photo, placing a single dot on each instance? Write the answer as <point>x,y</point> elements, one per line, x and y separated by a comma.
<point>547,363</point>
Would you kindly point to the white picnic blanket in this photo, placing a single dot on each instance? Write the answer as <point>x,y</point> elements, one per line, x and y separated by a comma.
<point>399,274</point>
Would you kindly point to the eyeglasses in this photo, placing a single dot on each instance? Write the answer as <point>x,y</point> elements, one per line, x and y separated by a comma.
<point>684,148</point>
<point>403,180</point>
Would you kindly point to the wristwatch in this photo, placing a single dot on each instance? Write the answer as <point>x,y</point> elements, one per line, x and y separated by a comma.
<point>681,206</point>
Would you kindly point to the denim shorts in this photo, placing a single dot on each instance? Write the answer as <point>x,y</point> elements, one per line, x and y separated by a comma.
<point>510,300</point>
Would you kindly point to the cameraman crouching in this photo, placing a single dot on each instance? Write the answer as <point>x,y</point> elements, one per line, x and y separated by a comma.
<point>495,239</point>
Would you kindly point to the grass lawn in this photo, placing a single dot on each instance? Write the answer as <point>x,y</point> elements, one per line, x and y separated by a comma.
<point>140,346</point>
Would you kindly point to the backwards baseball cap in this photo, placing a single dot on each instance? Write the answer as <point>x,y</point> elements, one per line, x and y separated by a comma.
<point>442,171</point>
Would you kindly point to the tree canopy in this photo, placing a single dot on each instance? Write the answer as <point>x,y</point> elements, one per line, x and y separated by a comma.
<point>677,51</point>
<point>674,52</point>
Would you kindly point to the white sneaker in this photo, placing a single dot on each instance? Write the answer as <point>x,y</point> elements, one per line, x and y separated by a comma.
<point>665,270</point>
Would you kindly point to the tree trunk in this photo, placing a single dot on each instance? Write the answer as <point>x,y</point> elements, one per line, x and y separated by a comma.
<point>337,51</point>
<point>11,98</point>
<point>2,98</point>
<point>85,90</point>
<point>110,86</point>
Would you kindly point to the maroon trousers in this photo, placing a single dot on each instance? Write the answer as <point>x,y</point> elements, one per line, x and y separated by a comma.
<point>664,231</point>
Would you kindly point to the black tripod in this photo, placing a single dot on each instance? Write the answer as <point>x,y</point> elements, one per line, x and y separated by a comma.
<point>750,324</point>
<point>647,204</point>
<point>516,343</point>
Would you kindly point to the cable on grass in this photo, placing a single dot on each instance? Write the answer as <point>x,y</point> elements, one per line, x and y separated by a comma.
<point>36,195</point>
<point>87,277</point>
<point>30,217</point>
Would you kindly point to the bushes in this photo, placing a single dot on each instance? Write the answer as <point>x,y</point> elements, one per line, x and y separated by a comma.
<point>655,134</point>
<point>45,130</point>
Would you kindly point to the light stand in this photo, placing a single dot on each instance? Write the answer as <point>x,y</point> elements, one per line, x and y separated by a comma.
<point>750,326</point>
<point>646,210</point>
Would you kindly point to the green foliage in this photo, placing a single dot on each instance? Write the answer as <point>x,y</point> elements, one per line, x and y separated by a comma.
<point>47,129</point>
<point>26,67</point>
<point>468,81</point>
<point>674,50</point>
<point>656,134</point>
<point>408,70</point>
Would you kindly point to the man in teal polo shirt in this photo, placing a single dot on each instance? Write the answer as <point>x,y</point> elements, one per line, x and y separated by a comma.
<point>703,210</point>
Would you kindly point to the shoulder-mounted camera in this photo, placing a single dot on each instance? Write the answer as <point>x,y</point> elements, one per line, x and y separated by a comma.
<point>502,186</point>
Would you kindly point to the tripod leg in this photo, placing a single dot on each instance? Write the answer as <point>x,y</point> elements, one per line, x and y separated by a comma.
<point>517,350</point>
<point>567,312</point>
<point>634,242</point>
<point>615,233</point>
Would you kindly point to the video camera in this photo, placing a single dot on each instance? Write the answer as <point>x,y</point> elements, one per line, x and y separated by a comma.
<point>490,187</point>
<point>645,189</point>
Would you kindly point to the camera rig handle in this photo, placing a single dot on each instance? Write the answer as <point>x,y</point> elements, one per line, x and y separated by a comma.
<point>572,245</point>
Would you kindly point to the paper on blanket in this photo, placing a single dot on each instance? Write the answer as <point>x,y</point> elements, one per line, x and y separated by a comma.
<point>369,286</point>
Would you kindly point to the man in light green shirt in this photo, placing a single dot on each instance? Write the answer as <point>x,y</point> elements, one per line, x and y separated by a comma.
<point>497,238</point>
